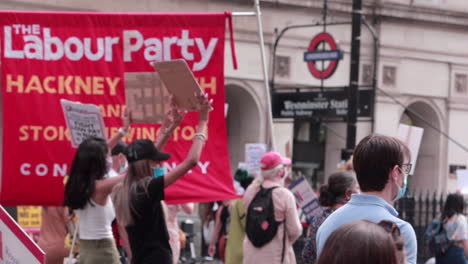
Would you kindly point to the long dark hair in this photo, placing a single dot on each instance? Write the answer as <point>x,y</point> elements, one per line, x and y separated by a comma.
<point>89,165</point>
<point>138,175</point>
<point>454,204</point>
<point>335,191</point>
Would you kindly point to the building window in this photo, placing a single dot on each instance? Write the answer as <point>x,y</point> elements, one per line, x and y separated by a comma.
<point>389,75</point>
<point>366,74</point>
<point>461,82</point>
<point>283,66</point>
<point>303,132</point>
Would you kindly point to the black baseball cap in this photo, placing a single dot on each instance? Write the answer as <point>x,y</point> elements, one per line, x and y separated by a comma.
<point>119,148</point>
<point>142,149</point>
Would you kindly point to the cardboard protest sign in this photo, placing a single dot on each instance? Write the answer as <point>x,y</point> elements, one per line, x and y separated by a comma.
<point>412,137</point>
<point>146,96</point>
<point>305,197</point>
<point>15,245</point>
<point>83,121</point>
<point>85,57</point>
<point>180,82</point>
<point>253,155</point>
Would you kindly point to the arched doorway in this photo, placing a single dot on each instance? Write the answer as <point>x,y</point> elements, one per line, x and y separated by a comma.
<point>426,175</point>
<point>243,122</point>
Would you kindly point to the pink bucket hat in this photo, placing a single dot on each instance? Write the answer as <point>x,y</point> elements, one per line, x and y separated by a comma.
<point>272,159</point>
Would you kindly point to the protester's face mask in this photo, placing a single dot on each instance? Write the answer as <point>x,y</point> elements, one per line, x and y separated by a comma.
<point>402,189</point>
<point>158,172</point>
<point>124,167</point>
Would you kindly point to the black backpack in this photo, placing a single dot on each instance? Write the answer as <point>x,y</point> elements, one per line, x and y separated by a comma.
<point>261,226</point>
<point>435,238</point>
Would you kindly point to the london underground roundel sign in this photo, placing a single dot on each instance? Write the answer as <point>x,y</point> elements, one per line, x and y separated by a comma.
<point>314,55</point>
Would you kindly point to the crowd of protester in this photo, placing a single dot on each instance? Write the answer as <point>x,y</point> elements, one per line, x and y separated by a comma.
<point>114,197</point>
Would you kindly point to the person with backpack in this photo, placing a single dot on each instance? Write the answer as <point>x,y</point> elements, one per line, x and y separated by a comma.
<point>453,247</point>
<point>272,223</point>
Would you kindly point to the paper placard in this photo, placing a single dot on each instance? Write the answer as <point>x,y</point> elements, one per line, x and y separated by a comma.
<point>83,121</point>
<point>305,198</point>
<point>462,181</point>
<point>29,218</point>
<point>147,97</point>
<point>180,82</point>
<point>412,137</point>
<point>253,155</point>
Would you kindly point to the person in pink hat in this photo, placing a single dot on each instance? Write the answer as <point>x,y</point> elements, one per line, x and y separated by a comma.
<point>279,249</point>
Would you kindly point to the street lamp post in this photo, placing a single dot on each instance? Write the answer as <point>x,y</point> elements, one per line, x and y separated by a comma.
<point>353,79</point>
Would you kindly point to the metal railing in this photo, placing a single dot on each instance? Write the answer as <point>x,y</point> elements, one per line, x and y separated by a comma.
<point>419,210</point>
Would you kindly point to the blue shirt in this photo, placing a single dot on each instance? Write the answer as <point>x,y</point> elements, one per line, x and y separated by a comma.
<point>371,208</point>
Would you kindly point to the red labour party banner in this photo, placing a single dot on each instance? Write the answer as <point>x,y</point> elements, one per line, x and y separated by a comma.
<point>47,56</point>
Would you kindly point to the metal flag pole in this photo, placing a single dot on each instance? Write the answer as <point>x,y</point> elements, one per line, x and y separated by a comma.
<point>265,76</point>
<point>269,134</point>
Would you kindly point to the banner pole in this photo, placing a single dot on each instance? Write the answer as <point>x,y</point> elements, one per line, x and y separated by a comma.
<point>269,135</point>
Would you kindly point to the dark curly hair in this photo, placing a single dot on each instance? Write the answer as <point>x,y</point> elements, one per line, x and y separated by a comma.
<point>335,191</point>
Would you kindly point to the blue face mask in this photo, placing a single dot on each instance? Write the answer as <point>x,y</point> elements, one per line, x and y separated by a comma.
<point>402,190</point>
<point>158,172</point>
<point>124,168</point>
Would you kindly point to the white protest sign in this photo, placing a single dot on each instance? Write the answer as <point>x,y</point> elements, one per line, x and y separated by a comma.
<point>242,165</point>
<point>412,137</point>
<point>305,197</point>
<point>83,120</point>
<point>462,181</point>
<point>253,155</point>
<point>16,247</point>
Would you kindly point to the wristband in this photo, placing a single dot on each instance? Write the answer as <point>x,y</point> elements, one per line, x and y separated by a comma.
<point>122,132</point>
<point>201,135</point>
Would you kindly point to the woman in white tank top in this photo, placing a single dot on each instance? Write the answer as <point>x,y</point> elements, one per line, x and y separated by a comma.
<point>87,193</point>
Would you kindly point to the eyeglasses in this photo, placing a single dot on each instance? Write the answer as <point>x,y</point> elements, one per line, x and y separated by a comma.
<point>406,168</point>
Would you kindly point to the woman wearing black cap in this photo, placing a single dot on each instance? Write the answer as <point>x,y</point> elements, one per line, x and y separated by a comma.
<point>138,199</point>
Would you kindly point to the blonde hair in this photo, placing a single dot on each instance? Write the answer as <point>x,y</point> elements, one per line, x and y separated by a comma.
<point>271,173</point>
<point>138,174</point>
<point>267,174</point>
